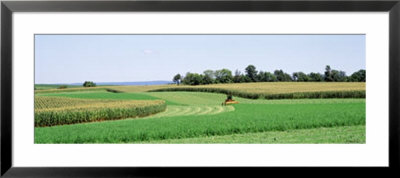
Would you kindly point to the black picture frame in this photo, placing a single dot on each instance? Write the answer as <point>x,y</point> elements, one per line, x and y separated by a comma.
<point>8,7</point>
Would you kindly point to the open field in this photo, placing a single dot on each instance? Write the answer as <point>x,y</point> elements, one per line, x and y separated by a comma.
<point>197,116</point>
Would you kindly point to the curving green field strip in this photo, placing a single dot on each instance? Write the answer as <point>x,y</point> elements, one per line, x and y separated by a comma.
<point>173,111</point>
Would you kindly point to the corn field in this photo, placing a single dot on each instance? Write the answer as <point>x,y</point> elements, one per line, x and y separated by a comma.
<point>51,111</point>
<point>295,95</point>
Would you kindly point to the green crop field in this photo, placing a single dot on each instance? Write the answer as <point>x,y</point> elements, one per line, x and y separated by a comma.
<point>199,117</point>
<point>280,90</point>
<point>50,110</point>
<point>345,134</point>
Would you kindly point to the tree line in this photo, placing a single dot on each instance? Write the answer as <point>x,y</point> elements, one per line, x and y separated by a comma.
<point>252,75</point>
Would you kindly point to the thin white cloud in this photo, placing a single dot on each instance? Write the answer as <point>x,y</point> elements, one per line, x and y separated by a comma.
<point>148,51</point>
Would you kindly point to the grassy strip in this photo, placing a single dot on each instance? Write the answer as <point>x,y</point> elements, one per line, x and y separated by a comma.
<point>344,134</point>
<point>295,95</point>
<point>51,111</point>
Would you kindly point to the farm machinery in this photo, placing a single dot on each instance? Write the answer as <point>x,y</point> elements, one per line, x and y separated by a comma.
<point>229,100</point>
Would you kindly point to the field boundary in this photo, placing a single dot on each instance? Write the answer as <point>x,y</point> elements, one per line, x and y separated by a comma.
<point>78,90</point>
<point>294,95</point>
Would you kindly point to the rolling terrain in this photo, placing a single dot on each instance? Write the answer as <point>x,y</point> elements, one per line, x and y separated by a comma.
<point>199,117</point>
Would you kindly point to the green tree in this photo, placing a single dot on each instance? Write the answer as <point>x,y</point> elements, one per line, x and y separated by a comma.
<point>328,74</point>
<point>359,76</point>
<point>300,77</point>
<point>295,76</point>
<point>208,77</point>
<point>338,76</point>
<point>209,73</point>
<point>251,72</point>
<point>238,77</point>
<point>223,76</point>
<point>316,77</point>
<point>89,84</point>
<point>177,79</point>
<point>192,79</point>
<point>282,76</point>
<point>266,77</point>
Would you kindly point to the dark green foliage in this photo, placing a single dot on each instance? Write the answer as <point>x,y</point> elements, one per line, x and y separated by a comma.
<point>359,76</point>
<point>89,84</point>
<point>282,76</point>
<point>247,79</point>
<point>301,77</point>
<point>252,75</point>
<point>192,79</point>
<point>334,75</point>
<point>206,79</point>
<point>223,76</point>
<point>113,91</point>
<point>266,77</point>
<point>209,77</point>
<point>251,72</point>
<point>62,87</point>
<point>338,76</point>
<point>315,77</point>
<point>328,74</point>
<point>177,79</point>
<point>238,78</point>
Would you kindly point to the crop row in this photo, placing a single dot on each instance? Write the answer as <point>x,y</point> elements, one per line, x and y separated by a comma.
<point>60,110</point>
<point>295,95</point>
<point>51,102</point>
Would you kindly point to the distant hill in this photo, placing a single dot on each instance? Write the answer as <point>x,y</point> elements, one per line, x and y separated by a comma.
<point>157,82</point>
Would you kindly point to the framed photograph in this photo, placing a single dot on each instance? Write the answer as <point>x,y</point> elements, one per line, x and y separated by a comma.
<point>114,88</point>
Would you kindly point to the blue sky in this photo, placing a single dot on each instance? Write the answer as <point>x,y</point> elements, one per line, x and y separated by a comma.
<point>123,58</point>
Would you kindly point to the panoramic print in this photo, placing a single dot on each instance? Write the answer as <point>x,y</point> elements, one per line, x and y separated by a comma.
<point>200,89</point>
